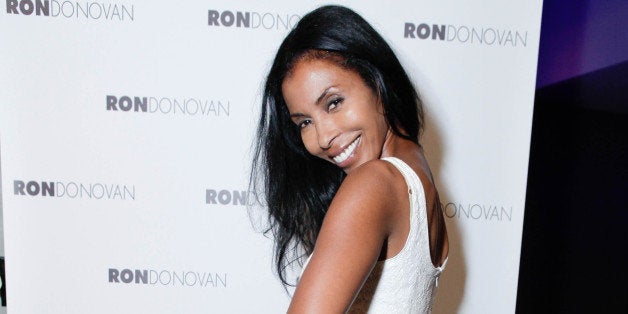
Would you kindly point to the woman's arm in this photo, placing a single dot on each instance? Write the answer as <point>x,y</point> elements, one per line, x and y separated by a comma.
<point>350,241</point>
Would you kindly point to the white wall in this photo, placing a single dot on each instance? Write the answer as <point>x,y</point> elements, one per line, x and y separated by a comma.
<point>56,75</point>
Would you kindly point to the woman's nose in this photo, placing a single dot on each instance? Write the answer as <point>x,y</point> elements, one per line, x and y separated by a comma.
<point>326,132</point>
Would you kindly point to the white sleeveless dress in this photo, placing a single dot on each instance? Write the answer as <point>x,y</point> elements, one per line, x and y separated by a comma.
<point>405,283</point>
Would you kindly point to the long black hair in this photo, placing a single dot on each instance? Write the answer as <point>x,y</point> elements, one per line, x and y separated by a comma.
<point>297,187</point>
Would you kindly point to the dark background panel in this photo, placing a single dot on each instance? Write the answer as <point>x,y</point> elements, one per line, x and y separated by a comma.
<point>575,235</point>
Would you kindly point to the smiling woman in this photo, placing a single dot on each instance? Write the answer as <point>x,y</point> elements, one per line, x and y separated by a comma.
<point>335,111</point>
<point>339,165</point>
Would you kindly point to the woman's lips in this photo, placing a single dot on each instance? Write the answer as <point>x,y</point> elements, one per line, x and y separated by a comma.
<point>347,152</point>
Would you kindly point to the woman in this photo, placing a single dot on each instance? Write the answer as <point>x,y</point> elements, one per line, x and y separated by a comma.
<point>343,174</point>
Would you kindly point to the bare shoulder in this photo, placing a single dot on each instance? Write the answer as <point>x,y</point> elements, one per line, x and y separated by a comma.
<point>350,241</point>
<point>372,189</point>
<point>372,176</point>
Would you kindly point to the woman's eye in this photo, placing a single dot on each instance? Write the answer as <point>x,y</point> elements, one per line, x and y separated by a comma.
<point>333,104</point>
<point>304,123</point>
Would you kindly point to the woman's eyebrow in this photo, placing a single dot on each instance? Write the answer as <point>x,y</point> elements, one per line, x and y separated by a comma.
<point>323,94</point>
<point>296,115</point>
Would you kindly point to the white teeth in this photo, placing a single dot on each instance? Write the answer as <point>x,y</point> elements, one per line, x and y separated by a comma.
<point>347,152</point>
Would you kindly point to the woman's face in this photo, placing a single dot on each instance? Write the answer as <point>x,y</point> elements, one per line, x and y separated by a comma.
<point>340,118</point>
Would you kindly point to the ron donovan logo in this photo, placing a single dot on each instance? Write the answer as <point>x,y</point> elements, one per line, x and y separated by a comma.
<point>466,34</point>
<point>72,189</point>
<point>476,211</point>
<point>227,197</point>
<point>153,277</point>
<point>252,20</point>
<point>169,106</point>
<point>91,10</point>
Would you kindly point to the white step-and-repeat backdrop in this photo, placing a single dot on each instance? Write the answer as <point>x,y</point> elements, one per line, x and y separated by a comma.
<point>125,134</point>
